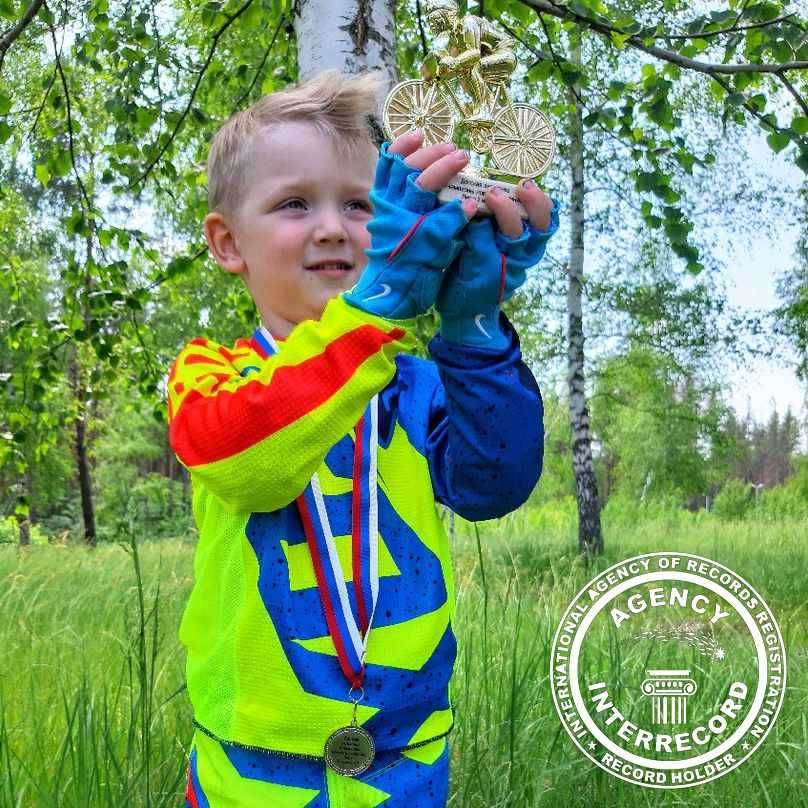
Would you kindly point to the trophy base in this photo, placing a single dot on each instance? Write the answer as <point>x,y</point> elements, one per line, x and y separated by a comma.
<point>474,187</point>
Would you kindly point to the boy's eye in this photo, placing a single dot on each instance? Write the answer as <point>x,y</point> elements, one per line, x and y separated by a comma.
<point>361,202</point>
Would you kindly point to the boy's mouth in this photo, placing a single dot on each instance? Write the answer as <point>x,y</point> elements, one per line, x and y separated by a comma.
<point>331,267</point>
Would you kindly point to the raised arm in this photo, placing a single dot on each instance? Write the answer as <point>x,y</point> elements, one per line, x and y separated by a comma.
<point>255,440</point>
<point>486,441</point>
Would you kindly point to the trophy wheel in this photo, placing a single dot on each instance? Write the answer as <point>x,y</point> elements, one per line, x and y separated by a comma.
<point>417,104</point>
<point>523,141</point>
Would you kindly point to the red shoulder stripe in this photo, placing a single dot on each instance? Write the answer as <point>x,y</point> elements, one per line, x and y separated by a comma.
<point>210,428</point>
<point>199,359</point>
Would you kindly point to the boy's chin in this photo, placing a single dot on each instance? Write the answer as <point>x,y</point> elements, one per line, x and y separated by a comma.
<point>330,293</point>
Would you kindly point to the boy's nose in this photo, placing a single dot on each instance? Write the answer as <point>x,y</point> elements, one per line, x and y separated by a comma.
<point>330,228</point>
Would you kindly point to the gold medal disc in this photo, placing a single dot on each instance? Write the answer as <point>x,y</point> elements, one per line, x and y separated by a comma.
<point>350,750</point>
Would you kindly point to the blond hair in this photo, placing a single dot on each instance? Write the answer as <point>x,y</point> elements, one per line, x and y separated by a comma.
<point>338,106</point>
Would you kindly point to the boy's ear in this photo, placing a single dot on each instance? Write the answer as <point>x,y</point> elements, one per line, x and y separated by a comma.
<point>222,244</point>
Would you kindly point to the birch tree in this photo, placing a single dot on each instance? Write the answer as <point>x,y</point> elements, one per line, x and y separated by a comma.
<point>352,36</point>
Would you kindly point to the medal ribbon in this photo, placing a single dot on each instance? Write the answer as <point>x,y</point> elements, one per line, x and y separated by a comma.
<point>350,639</point>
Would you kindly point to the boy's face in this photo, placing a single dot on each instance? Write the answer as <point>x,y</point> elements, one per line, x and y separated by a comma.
<point>303,206</point>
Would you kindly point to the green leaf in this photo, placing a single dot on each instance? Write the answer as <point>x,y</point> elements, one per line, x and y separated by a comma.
<point>782,52</point>
<point>61,165</point>
<point>646,180</point>
<point>744,80</point>
<point>668,195</point>
<point>5,131</point>
<point>778,140</point>
<point>42,174</point>
<point>540,72</point>
<point>178,265</point>
<point>619,40</point>
<point>570,76</point>
<point>5,104</point>
<point>522,13</point>
<point>799,125</point>
<point>581,10</point>
<point>758,102</point>
<point>802,161</point>
<point>76,224</point>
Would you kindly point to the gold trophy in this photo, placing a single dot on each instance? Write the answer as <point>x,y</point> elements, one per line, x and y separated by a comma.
<point>518,139</point>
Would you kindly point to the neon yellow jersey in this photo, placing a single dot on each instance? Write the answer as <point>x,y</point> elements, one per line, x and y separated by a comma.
<point>252,428</point>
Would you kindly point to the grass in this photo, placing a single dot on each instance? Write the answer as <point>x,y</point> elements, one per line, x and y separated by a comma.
<point>93,710</point>
<point>510,749</point>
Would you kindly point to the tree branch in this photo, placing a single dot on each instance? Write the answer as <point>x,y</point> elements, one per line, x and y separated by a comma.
<point>749,108</point>
<point>564,13</point>
<point>575,92</point>
<point>281,21</point>
<point>424,47</point>
<point>42,105</point>
<point>231,18</point>
<point>8,39</point>
<point>732,30</point>
<point>790,87</point>
<point>58,59</point>
<point>541,55</point>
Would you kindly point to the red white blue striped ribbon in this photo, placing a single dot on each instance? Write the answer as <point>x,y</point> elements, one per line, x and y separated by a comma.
<point>350,635</point>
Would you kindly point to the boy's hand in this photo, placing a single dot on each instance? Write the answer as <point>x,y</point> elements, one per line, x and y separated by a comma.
<point>437,164</point>
<point>412,241</point>
<point>492,266</point>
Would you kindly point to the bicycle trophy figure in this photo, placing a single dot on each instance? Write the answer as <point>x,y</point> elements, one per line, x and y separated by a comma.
<point>519,139</point>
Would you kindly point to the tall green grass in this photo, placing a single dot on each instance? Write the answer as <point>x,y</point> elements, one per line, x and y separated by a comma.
<point>513,583</point>
<point>93,710</point>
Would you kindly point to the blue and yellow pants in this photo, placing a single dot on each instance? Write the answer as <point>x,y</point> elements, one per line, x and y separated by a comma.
<point>222,775</point>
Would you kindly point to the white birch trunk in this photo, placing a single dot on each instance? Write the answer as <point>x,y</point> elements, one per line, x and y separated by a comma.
<point>590,540</point>
<point>352,36</point>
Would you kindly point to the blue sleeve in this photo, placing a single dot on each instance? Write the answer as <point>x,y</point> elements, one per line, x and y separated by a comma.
<point>485,445</point>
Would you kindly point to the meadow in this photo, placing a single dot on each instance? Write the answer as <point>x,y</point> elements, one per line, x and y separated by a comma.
<point>93,710</point>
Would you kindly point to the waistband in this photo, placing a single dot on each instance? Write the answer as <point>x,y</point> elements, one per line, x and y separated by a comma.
<point>301,756</point>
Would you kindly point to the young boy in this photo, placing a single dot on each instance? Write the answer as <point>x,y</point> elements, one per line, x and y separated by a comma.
<point>319,629</point>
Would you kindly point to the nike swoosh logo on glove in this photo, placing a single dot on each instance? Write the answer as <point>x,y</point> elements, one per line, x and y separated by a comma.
<point>386,291</point>
<point>479,325</point>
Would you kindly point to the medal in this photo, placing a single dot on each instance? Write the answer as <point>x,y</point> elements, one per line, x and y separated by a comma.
<point>350,750</point>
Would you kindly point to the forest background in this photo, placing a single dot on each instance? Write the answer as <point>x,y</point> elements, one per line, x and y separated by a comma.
<point>93,310</point>
<point>106,113</point>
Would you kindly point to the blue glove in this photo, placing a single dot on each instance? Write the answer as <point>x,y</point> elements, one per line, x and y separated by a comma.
<point>490,269</point>
<point>411,243</point>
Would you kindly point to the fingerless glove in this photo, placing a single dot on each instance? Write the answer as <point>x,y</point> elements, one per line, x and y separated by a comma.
<point>411,243</point>
<point>489,269</point>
